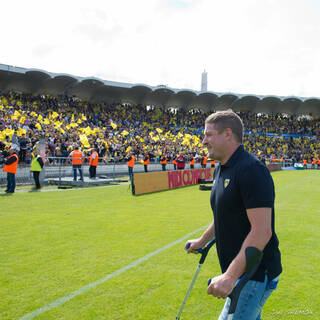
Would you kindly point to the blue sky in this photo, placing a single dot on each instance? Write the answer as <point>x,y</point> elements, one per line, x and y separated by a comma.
<point>268,47</point>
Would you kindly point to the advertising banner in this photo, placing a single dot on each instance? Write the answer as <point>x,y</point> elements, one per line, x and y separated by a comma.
<point>164,180</point>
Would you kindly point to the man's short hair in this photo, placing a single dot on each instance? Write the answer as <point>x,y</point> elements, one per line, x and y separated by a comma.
<point>227,119</point>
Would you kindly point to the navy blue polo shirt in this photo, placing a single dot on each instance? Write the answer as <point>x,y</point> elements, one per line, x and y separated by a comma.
<point>242,183</point>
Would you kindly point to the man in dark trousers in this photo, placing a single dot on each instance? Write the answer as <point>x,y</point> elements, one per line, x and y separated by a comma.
<point>10,167</point>
<point>93,163</point>
<point>130,163</point>
<point>204,160</point>
<point>146,161</point>
<point>242,200</point>
<point>163,162</point>
<point>36,168</point>
<point>23,142</point>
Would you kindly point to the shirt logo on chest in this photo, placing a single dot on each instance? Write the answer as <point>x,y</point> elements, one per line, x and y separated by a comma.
<point>226,182</point>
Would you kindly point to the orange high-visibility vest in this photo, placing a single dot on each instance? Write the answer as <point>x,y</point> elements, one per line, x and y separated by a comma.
<point>282,159</point>
<point>204,160</point>
<point>11,168</point>
<point>318,162</point>
<point>76,157</point>
<point>146,162</point>
<point>213,162</point>
<point>174,161</point>
<point>94,162</point>
<point>130,163</point>
<point>192,161</point>
<point>163,160</point>
<point>305,162</point>
<point>314,160</point>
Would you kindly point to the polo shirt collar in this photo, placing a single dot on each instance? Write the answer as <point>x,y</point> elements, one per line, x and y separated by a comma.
<point>233,159</point>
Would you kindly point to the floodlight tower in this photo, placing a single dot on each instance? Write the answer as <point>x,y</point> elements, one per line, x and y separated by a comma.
<point>204,81</point>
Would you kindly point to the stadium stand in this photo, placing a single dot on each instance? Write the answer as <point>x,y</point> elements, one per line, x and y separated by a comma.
<point>117,129</point>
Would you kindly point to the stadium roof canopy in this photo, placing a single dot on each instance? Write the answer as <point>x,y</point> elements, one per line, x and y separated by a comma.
<point>102,91</point>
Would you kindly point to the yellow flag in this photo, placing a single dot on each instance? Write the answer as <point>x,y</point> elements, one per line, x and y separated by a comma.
<point>22,119</point>
<point>84,140</point>
<point>54,115</point>
<point>159,130</point>
<point>2,135</point>
<point>39,118</point>
<point>9,132</point>
<point>57,124</point>
<point>88,131</point>
<point>20,132</point>
<point>113,125</point>
<point>46,121</point>
<point>84,117</point>
<point>124,133</point>
<point>62,131</point>
<point>37,125</point>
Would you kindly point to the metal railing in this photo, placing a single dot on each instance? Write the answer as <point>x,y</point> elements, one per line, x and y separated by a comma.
<point>61,168</point>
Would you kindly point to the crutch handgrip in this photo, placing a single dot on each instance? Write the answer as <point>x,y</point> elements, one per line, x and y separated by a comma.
<point>253,259</point>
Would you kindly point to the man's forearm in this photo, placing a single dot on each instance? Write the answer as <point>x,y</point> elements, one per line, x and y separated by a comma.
<point>238,265</point>
<point>208,235</point>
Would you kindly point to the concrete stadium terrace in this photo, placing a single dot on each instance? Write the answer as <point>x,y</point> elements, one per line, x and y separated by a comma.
<point>95,90</point>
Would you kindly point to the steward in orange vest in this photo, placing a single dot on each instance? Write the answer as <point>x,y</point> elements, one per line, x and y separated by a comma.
<point>163,162</point>
<point>93,163</point>
<point>146,161</point>
<point>305,163</point>
<point>10,167</point>
<point>314,161</point>
<point>192,162</point>
<point>204,161</point>
<point>213,163</point>
<point>174,162</point>
<point>76,156</point>
<point>130,164</point>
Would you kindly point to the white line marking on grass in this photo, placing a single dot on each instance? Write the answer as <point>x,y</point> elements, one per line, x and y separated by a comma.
<point>84,289</point>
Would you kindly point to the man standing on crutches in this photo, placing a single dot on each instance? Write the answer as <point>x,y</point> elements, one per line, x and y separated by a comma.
<point>242,200</point>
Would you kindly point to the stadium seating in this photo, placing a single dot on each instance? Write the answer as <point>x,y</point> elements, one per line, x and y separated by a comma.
<point>117,129</point>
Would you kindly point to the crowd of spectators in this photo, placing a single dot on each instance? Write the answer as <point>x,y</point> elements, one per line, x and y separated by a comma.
<point>119,129</point>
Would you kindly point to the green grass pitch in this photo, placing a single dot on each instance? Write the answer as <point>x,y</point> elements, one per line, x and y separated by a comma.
<point>55,243</point>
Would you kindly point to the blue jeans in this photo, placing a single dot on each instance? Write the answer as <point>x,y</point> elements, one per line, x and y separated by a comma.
<point>252,298</point>
<point>75,167</point>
